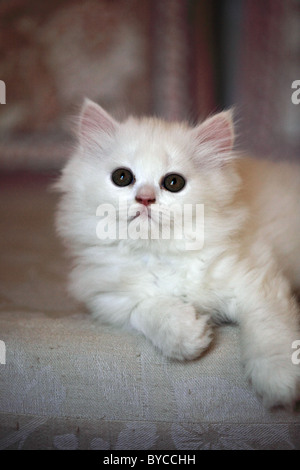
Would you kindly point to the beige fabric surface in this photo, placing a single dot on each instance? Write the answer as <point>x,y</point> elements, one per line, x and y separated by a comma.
<point>69,383</point>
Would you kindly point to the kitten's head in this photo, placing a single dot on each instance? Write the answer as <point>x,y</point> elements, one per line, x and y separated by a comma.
<point>145,174</point>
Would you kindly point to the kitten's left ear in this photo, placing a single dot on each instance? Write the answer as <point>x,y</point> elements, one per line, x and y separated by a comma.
<point>215,136</point>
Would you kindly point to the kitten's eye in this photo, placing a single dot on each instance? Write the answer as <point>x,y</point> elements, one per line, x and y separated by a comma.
<point>173,182</point>
<point>122,177</point>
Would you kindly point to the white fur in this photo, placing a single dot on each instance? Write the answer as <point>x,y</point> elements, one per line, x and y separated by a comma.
<point>246,270</point>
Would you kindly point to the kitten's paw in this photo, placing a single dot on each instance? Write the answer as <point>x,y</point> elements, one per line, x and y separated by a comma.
<point>185,335</point>
<point>173,327</point>
<point>276,381</point>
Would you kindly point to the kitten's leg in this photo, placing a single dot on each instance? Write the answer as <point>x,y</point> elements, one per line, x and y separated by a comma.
<point>172,326</point>
<point>269,321</point>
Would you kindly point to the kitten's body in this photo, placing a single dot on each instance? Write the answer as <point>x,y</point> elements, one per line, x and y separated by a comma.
<point>245,270</point>
<point>271,191</point>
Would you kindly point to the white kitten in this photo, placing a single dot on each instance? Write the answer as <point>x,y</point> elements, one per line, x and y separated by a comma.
<point>168,289</point>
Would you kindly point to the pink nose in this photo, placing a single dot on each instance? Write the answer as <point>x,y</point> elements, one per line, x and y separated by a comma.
<point>146,195</point>
<point>145,200</point>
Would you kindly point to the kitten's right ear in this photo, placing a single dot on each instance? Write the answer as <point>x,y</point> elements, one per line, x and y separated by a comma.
<point>94,120</point>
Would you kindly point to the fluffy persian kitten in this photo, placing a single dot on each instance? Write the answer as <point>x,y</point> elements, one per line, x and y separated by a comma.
<point>171,232</point>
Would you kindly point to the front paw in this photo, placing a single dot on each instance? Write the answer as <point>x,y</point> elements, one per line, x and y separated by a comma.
<point>276,380</point>
<point>184,336</point>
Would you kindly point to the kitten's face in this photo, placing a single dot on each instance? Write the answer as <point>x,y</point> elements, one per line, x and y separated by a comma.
<point>147,168</point>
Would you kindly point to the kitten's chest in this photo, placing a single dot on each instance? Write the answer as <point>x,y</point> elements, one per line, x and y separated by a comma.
<point>192,279</point>
<point>173,275</point>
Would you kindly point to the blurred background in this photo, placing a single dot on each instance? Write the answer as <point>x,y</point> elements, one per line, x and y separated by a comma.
<point>178,59</point>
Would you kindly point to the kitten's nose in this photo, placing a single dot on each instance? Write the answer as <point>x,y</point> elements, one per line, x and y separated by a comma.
<point>146,196</point>
<point>145,201</point>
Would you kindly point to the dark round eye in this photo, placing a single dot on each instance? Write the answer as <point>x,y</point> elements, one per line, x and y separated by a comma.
<point>122,177</point>
<point>173,182</point>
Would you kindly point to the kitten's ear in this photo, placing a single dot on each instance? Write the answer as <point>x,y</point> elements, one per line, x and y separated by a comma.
<point>215,137</point>
<point>94,120</point>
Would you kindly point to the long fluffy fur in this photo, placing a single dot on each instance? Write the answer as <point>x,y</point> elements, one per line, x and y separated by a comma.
<point>246,271</point>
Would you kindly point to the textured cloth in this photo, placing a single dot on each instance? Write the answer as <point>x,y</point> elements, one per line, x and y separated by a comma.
<point>69,383</point>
